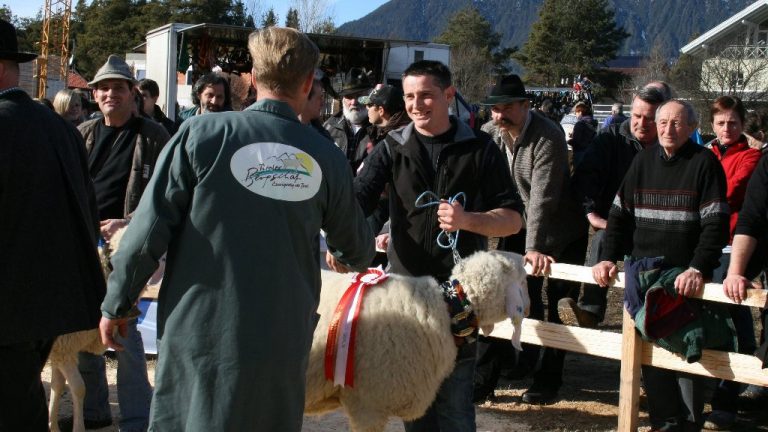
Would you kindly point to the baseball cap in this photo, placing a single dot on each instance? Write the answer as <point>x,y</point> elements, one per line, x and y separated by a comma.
<point>387,96</point>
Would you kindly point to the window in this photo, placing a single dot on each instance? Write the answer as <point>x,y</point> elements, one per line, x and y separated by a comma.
<point>418,55</point>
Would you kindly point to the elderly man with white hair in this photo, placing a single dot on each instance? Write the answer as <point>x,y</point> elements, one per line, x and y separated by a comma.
<point>671,208</point>
<point>349,127</point>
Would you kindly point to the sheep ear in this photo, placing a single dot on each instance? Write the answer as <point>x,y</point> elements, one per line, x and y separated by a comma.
<point>486,329</point>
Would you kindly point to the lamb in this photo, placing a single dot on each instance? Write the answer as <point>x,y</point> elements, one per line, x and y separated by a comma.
<point>404,347</point>
<point>63,358</point>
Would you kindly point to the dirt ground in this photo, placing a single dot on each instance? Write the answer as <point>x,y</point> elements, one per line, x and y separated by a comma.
<point>588,400</point>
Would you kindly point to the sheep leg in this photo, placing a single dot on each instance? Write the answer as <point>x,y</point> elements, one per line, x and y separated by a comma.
<point>77,389</point>
<point>370,423</point>
<point>57,388</point>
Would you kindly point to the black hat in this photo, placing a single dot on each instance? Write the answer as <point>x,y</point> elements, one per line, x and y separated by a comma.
<point>355,81</point>
<point>325,82</point>
<point>9,45</point>
<point>509,89</point>
<point>391,98</point>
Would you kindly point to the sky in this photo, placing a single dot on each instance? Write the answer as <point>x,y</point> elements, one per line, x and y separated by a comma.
<point>341,10</point>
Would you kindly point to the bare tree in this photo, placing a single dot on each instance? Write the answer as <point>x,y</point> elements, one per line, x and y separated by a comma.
<point>472,72</point>
<point>738,70</point>
<point>314,15</point>
<point>655,67</point>
<point>254,9</point>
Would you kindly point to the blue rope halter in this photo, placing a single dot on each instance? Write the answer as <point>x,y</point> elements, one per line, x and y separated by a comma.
<point>445,239</point>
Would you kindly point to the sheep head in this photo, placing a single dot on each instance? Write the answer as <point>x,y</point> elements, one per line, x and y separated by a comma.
<point>487,277</point>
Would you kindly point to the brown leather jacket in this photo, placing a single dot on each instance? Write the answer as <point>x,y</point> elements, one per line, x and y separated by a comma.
<point>150,139</point>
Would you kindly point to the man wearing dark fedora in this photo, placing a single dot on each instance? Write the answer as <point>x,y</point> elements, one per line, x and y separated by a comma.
<point>348,127</point>
<point>47,222</point>
<point>536,154</point>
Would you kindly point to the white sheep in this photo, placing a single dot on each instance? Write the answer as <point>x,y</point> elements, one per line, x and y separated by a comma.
<point>63,358</point>
<point>404,346</point>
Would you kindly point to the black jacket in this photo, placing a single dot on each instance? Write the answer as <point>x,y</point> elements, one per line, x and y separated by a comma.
<point>50,278</point>
<point>753,217</point>
<point>598,175</point>
<point>471,164</point>
<point>160,117</point>
<point>353,145</point>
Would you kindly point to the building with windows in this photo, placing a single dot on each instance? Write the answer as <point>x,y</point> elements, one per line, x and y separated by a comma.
<point>734,54</point>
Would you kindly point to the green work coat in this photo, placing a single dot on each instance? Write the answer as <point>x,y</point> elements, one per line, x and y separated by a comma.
<point>237,200</point>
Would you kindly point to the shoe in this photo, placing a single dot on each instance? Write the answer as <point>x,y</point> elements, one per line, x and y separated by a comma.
<point>571,314</point>
<point>720,420</point>
<point>539,395</point>
<point>65,423</point>
<point>754,398</point>
<point>482,394</point>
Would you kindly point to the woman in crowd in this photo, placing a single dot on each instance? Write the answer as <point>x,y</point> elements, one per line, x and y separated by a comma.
<point>739,160</point>
<point>69,105</point>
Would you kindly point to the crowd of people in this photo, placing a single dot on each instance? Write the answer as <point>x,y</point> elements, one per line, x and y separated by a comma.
<point>237,201</point>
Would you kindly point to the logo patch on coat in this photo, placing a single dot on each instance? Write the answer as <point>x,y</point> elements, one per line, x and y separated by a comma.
<point>277,171</point>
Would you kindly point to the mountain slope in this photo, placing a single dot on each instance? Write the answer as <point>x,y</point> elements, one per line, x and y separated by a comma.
<point>671,23</point>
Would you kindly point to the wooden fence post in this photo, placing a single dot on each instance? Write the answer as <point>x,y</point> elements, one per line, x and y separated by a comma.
<point>629,389</point>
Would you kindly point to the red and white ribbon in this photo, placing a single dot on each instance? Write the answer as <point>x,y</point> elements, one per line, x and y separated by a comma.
<point>340,344</point>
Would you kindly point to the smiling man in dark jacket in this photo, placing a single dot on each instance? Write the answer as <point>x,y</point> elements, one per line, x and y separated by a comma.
<point>440,154</point>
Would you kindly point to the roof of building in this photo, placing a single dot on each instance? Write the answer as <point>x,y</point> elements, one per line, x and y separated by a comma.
<point>75,80</point>
<point>755,13</point>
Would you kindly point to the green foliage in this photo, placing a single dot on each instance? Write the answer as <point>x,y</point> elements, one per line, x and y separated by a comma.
<point>468,27</point>
<point>6,14</point>
<point>292,19</point>
<point>686,74</point>
<point>571,37</point>
<point>269,19</point>
<point>476,54</point>
<point>28,30</point>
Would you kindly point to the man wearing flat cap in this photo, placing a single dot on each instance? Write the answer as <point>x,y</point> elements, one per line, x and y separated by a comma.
<point>47,221</point>
<point>122,150</point>
<point>349,126</point>
<point>536,154</point>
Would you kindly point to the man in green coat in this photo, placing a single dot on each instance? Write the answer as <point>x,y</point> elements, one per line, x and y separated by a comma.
<point>238,200</point>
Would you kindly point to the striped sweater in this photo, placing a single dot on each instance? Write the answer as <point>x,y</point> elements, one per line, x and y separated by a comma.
<point>675,208</point>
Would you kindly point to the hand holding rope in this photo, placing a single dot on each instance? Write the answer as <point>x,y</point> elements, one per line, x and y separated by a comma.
<point>445,239</point>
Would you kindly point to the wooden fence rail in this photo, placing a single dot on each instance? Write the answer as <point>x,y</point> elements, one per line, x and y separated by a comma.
<point>628,347</point>
<point>632,351</point>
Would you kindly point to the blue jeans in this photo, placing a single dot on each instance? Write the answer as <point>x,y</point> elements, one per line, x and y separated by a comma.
<point>134,393</point>
<point>452,410</point>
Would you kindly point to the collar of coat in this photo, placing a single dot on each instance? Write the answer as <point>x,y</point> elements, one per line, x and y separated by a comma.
<point>463,132</point>
<point>274,106</point>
